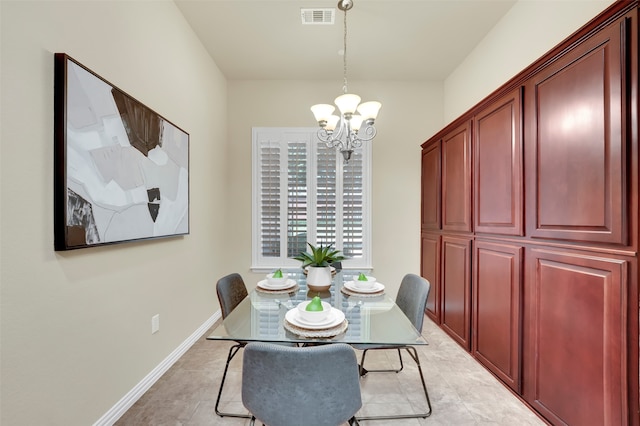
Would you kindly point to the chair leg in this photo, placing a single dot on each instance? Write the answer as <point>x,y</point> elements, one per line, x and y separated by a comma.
<point>232,352</point>
<point>364,371</point>
<point>401,363</point>
<point>414,354</point>
<point>361,368</point>
<point>353,421</point>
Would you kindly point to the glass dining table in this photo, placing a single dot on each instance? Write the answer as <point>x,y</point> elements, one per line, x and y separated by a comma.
<point>369,318</point>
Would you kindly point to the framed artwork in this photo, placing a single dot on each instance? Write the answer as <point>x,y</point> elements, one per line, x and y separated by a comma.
<point>121,170</point>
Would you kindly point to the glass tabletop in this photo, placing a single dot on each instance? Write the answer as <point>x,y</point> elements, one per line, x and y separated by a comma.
<point>372,319</point>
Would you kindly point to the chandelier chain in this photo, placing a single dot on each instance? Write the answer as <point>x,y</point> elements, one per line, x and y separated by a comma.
<point>345,88</point>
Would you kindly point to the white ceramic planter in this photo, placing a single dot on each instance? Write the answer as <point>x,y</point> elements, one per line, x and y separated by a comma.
<point>319,278</point>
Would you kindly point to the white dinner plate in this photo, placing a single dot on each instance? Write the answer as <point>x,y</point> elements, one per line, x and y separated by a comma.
<point>335,318</point>
<point>350,285</point>
<point>286,284</point>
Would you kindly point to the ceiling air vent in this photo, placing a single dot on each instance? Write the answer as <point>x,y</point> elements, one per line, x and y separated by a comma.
<point>318,16</point>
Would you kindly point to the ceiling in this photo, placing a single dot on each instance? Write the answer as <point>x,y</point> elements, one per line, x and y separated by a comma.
<point>387,39</point>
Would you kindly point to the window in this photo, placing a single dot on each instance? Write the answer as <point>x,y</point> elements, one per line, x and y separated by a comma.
<point>303,191</point>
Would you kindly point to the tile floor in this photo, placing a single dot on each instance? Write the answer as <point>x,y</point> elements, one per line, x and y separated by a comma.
<point>462,392</point>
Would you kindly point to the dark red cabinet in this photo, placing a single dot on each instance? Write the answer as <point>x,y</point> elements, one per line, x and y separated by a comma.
<point>430,269</point>
<point>456,180</point>
<point>575,129</point>
<point>535,253</point>
<point>497,289</point>
<point>455,289</point>
<point>498,167</point>
<point>431,187</point>
<point>575,337</point>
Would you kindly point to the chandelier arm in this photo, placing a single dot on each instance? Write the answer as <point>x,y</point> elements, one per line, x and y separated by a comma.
<point>356,143</point>
<point>332,134</point>
<point>367,133</point>
<point>340,130</point>
<point>329,139</point>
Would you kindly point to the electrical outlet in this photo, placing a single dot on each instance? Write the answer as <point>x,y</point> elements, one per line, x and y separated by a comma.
<point>155,323</point>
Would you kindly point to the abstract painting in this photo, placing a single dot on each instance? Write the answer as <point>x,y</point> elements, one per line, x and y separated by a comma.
<point>121,171</point>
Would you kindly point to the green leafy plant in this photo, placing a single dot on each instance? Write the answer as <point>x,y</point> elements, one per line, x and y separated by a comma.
<point>319,256</point>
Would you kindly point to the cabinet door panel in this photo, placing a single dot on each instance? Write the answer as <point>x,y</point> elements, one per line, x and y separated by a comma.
<point>431,271</point>
<point>455,287</point>
<point>575,353</point>
<point>431,187</point>
<point>575,144</point>
<point>496,309</point>
<point>456,180</point>
<point>498,167</point>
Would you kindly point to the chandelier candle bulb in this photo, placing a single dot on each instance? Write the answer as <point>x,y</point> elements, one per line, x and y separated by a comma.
<point>369,110</point>
<point>322,112</point>
<point>332,122</point>
<point>356,122</point>
<point>347,103</point>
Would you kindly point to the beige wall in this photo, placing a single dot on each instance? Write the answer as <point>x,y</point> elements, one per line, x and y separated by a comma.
<point>409,112</point>
<point>76,326</point>
<point>529,30</point>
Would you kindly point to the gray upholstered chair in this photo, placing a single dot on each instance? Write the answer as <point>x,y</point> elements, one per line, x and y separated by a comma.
<point>231,291</point>
<point>412,300</point>
<point>288,386</point>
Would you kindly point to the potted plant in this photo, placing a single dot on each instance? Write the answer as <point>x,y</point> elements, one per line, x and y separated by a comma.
<point>318,262</point>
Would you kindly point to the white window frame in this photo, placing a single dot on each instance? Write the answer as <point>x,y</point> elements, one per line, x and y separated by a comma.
<point>276,135</point>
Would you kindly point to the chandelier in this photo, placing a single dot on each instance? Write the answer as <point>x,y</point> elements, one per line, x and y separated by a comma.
<point>355,123</point>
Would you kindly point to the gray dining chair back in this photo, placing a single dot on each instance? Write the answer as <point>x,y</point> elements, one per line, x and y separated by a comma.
<point>412,300</point>
<point>231,290</point>
<point>293,386</point>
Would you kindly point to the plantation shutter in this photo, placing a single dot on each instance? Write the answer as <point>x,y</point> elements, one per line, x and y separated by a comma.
<point>326,195</point>
<point>269,198</point>
<point>297,200</point>
<point>352,208</point>
<point>303,192</point>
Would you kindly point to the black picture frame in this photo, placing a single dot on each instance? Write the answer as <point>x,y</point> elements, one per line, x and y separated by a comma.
<point>121,170</point>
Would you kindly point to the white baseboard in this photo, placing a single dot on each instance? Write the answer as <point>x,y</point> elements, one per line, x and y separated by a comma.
<point>121,407</point>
